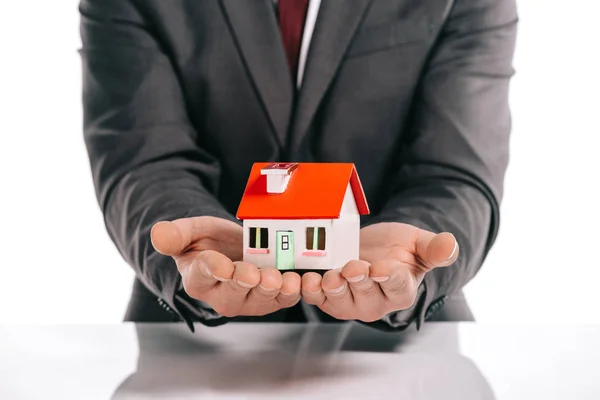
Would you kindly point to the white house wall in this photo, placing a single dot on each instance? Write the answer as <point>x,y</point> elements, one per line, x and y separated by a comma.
<point>299,229</point>
<point>346,232</point>
<point>349,206</point>
<point>346,240</point>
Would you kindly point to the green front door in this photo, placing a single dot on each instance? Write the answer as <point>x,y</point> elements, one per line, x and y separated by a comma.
<point>285,250</point>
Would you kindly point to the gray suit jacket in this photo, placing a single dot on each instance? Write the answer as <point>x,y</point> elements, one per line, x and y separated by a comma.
<point>181,97</point>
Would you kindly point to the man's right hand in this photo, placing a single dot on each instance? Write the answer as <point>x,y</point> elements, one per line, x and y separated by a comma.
<point>203,249</point>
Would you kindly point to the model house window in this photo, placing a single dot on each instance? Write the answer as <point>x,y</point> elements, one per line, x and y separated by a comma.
<point>315,238</point>
<point>259,238</point>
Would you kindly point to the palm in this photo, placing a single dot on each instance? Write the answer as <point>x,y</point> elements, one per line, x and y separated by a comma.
<point>393,241</point>
<point>394,260</point>
<point>208,254</point>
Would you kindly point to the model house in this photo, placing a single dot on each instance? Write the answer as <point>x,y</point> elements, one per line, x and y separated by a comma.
<point>302,215</point>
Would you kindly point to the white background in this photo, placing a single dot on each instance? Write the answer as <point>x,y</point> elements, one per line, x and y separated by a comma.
<point>57,264</point>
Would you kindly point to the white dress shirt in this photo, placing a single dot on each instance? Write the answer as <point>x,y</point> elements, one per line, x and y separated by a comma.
<point>309,27</point>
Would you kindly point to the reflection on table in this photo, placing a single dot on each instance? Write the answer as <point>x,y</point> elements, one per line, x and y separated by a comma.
<point>338,361</point>
<point>446,361</point>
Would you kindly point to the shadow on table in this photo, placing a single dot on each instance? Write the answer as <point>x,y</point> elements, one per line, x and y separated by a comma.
<point>312,360</point>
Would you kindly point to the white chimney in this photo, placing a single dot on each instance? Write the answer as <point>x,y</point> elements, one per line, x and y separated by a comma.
<point>278,176</point>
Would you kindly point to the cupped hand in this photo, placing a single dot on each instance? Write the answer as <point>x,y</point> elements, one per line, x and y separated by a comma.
<point>207,251</point>
<point>394,259</point>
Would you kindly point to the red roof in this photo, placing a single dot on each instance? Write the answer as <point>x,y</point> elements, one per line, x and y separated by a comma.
<point>315,191</point>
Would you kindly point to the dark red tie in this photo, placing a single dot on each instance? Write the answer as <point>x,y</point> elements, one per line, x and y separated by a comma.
<point>292,14</point>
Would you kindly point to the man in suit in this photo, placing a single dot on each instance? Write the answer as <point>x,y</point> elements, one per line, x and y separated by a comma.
<point>182,97</point>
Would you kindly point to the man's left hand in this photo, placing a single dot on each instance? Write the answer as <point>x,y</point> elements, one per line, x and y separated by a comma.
<point>394,259</point>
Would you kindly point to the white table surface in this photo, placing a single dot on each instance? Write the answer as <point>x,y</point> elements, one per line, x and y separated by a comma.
<point>276,361</point>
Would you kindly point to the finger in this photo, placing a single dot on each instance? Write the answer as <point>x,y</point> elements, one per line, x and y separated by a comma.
<point>268,286</point>
<point>246,275</point>
<point>364,289</point>
<point>233,293</point>
<point>439,250</point>
<point>312,292</point>
<point>337,293</point>
<point>400,287</point>
<point>221,267</point>
<point>173,238</point>
<point>289,294</point>
<point>204,272</point>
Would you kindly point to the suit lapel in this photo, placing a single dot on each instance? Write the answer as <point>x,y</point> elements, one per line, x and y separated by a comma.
<point>337,22</point>
<point>256,30</point>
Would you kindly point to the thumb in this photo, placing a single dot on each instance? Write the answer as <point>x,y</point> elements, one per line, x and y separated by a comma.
<point>172,238</point>
<point>175,237</point>
<point>439,250</point>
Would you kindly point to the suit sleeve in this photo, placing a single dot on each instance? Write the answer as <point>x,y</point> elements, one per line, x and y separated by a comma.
<point>450,173</point>
<point>143,151</point>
